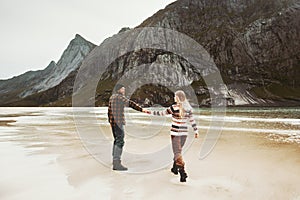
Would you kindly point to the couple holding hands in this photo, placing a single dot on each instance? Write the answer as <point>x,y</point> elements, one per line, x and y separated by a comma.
<point>181,112</point>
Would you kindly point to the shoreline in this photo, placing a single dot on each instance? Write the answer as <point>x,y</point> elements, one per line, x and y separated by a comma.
<point>44,158</point>
<point>296,105</point>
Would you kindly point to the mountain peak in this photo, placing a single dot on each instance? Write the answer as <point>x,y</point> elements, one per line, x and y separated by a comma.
<point>51,65</point>
<point>79,37</point>
<point>124,29</point>
<point>79,40</point>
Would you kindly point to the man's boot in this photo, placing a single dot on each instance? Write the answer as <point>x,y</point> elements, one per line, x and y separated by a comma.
<point>174,169</point>
<point>183,174</point>
<point>118,166</point>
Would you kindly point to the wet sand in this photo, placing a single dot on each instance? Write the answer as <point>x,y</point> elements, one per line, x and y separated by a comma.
<point>6,122</point>
<point>243,165</point>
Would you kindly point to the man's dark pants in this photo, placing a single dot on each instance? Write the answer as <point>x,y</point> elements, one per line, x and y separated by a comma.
<point>118,133</point>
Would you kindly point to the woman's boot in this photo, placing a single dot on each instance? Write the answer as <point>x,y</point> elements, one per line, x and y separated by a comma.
<point>183,174</point>
<point>174,169</point>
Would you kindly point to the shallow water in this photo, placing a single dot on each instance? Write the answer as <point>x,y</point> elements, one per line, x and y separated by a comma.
<point>282,124</point>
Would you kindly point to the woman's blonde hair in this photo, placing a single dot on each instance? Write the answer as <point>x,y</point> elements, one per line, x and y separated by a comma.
<point>184,105</point>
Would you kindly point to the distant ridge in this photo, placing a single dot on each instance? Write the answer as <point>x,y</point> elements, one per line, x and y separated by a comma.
<point>33,82</point>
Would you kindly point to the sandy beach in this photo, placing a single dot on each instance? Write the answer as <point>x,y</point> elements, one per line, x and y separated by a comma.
<point>56,165</point>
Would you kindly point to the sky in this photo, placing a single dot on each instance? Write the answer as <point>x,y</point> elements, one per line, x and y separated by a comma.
<point>35,32</point>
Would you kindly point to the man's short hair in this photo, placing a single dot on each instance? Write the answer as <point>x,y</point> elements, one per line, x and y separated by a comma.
<point>118,87</point>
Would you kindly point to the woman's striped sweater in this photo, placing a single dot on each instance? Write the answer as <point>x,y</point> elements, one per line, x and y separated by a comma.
<point>179,124</point>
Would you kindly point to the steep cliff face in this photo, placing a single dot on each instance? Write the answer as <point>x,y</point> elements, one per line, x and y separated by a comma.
<point>255,44</point>
<point>33,82</point>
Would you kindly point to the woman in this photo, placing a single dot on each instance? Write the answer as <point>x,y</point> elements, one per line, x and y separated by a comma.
<point>181,113</point>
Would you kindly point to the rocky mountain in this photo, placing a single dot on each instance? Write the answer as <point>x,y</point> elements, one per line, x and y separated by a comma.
<point>254,43</point>
<point>18,88</point>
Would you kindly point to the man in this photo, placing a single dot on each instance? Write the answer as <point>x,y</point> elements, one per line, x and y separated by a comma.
<point>116,118</point>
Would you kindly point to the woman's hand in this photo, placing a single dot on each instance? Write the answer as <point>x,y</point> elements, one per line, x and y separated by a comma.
<point>196,135</point>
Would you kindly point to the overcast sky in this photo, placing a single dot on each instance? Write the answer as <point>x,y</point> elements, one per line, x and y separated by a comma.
<point>35,32</point>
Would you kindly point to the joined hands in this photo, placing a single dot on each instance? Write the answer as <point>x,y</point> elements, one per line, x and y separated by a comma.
<point>146,111</point>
